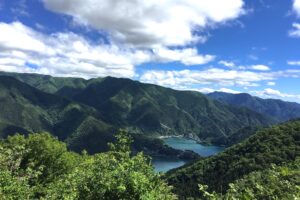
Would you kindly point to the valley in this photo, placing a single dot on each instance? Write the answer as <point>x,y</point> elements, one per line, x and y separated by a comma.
<point>187,137</point>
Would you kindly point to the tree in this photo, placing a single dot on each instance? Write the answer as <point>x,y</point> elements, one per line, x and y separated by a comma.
<point>113,175</point>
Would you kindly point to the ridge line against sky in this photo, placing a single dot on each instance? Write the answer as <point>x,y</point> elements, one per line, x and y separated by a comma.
<point>231,45</point>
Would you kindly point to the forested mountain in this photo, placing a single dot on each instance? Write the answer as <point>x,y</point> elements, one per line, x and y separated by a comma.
<point>26,108</point>
<point>277,109</point>
<point>150,109</point>
<point>278,145</point>
<point>40,167</point>
<point>86,113</point>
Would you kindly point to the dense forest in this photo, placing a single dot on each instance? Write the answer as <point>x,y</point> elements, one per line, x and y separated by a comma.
<point>278,145</point>
<point>67,106</point>
<point>38,166</point>
<point>69,146</point>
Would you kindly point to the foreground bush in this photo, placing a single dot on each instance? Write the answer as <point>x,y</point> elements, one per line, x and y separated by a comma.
<point>41,167</point>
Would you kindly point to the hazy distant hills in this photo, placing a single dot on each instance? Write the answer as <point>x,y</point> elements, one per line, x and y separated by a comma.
<point>141,108</point>
<point>277,109</point>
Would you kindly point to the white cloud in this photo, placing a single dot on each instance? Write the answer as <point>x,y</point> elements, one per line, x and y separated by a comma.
<point>205,90</point>
<point>214,76</point>
<point>227,63</point>
<point>271,83</point>
<point>210,76</point>
<point>232,65</point>
<point>260,67</point>
<point>227,90</point>
<point>294,62</point>
<point>295,32</point>
<point>149,23</point>
<point>188,56</point>
<point>64,54</point>
<point>16,36</point>
<point>69,54</point>
<point>296,6</point>
<point>276,94</point>
<point>210,90</point>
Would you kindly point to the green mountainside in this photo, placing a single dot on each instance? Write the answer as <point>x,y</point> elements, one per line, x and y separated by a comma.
<point>25,109</point>
<point>277,109</point>
<point>150,109</point>
<point>39,166</point>
<point>86,114</point>
<point>276,145</point>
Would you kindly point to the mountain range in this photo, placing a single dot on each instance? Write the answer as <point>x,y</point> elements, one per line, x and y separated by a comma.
<point>87,113</point>
<point>67,106</point>
<point>277,109</point>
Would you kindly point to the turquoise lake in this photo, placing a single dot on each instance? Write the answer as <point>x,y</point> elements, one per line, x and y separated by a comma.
<point>163,165</point>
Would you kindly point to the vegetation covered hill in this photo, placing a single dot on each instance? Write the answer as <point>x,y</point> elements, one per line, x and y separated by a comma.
<point>40,167</point>
<point>276,145</point>
<point>150,109</point>
<point>25,109</point>
<point>276,182</point>
<point>277,109</point>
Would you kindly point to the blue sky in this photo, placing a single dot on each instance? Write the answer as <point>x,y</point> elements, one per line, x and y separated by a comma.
<point>248,46</point>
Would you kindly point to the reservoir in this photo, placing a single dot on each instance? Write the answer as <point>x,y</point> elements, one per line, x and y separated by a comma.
<point>163,165</point>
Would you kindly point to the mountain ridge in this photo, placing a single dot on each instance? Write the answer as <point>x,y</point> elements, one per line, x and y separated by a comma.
<point>275,108</point>
<point>150,109</point>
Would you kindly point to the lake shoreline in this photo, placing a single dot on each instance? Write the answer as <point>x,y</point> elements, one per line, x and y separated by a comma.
<point>180,142</point>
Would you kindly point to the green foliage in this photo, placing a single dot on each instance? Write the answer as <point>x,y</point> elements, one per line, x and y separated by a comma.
<point>121,103</point>
<point>41,167</point>
<point>274,184</point>
<point>35,161</point>
<point>276,145</point>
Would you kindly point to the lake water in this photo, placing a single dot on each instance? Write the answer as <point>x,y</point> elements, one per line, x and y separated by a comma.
<point>163,165</point>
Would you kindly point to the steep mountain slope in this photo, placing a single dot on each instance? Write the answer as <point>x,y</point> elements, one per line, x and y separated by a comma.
<point>25,109</point>
<point>278,109</point>
<point>47,83</point>
<point>151,109</point>
<point>278,144</point>
<point>154,110</point>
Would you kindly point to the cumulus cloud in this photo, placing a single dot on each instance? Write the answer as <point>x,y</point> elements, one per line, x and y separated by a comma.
<point>295,32</point>
<point>188,56</point>
<point>210,90</point>
<point>149,23</point>
<point>205,90</point>
<point>271,83</point>
<point>232,65</point>
<point>63,54</point>
<point>296,6</point>
<point>260,67</point>
<point>228,90</point>
<point>271,93</point>
<point>69,54</point>
<point>138,32</point>
<point>227,63</point>
<point>213,76</point>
